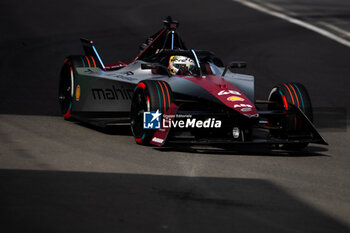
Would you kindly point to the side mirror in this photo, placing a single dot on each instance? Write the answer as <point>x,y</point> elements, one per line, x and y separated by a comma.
<point>149,66</point>
<point>238,64</point>
<point>233,65</point>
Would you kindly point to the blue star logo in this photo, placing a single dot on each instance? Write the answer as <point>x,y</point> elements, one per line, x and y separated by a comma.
<point>151,120</point>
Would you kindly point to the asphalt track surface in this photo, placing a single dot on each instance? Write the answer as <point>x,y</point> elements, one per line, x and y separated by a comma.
<point>60,176</point>
<point>333,16</point>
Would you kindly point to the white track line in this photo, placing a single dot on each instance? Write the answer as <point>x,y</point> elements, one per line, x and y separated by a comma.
<point>295,21</point>
<point>335,28</point>
<point>273,6</point>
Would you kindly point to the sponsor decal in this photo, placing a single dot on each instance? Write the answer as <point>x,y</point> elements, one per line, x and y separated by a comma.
<point>246,109</point>
<point>151,120</point>
<point>121,76</point>
<point>242,106</point>
<point>112,93</point>
<point>88,71</point>
<point>157,140</point>
<point>229,92</point>
<point>128,73</point>
<point>235,98</point>
<point>77,93</point>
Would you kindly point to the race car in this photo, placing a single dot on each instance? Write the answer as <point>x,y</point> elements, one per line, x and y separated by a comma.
<point>170,94</point>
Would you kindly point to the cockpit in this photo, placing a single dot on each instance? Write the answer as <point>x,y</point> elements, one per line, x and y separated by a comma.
<point>166,53</point>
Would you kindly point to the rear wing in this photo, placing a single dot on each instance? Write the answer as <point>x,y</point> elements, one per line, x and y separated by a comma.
<point>90,50</point>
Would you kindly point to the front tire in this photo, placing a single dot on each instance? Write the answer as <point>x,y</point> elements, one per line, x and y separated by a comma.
<point>284,95</point>
<point>149,96</point>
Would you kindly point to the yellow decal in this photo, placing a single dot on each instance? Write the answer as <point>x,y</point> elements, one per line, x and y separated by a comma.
<point>235,98</point>
<point>77,93</point>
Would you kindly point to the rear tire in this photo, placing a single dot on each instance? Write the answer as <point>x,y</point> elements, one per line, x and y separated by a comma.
<point>66,83</point>
<point>284,95</point>
<point>149,96</point>
<point>65,91</point>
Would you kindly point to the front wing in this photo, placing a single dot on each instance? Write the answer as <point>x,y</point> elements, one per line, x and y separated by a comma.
<point>259,132</point>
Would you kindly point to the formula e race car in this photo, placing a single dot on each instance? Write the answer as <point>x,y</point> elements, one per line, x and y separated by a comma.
<point>172,94</point>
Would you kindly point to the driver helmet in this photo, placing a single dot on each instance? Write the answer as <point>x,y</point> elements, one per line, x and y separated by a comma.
<point>181,65</point>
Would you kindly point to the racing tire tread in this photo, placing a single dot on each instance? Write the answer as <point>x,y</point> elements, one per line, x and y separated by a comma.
<point>160,98</point>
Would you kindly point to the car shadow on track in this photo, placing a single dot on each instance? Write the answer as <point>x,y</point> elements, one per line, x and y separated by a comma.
<point>62,201</point>
<point>238,149</point>
<point>249,150</point>
<point>257,150</point>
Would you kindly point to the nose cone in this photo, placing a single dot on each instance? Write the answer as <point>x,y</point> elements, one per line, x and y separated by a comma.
<point>227,93</point>
<point>236,100</point>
